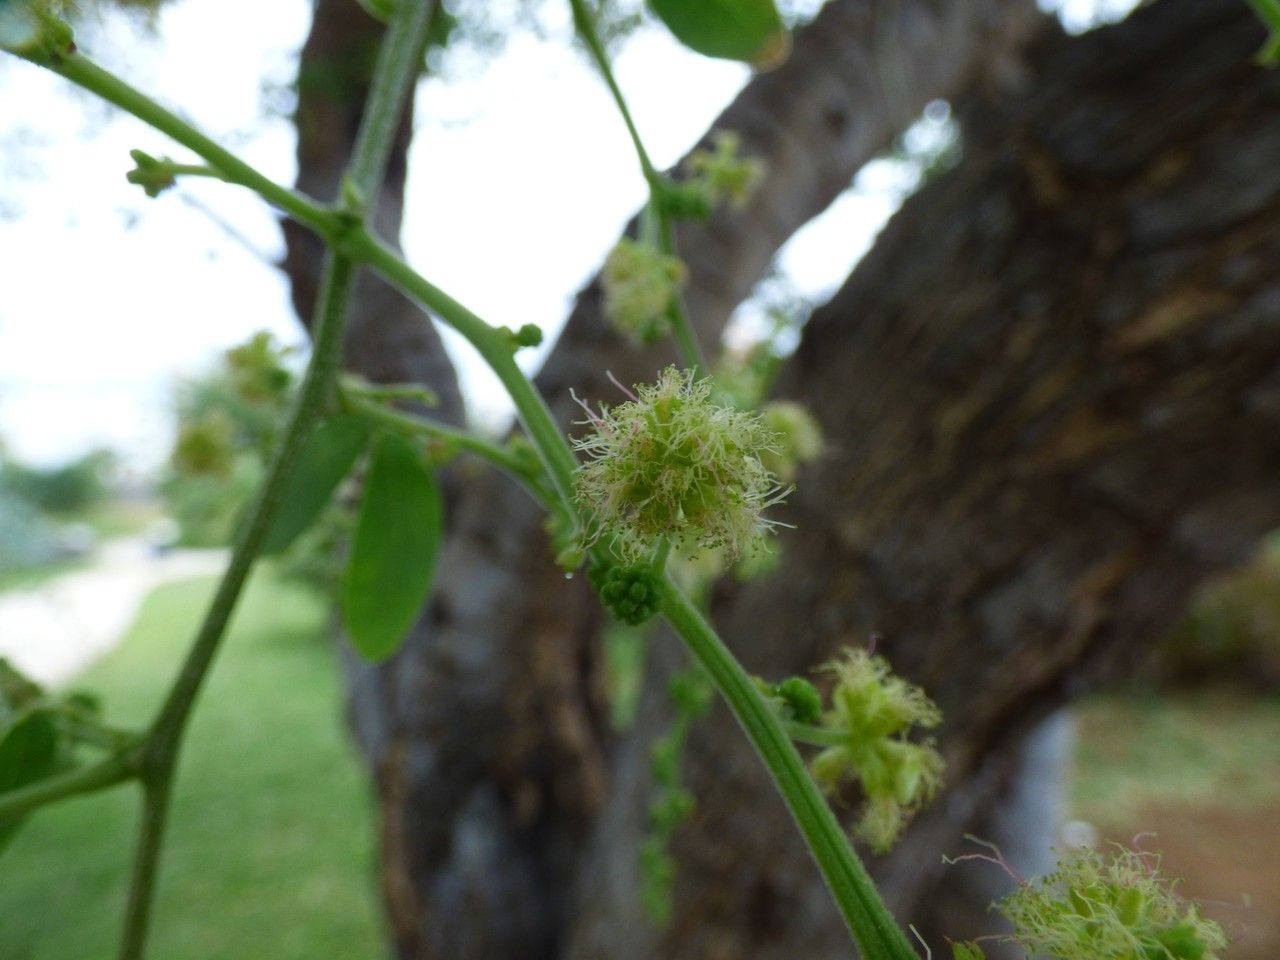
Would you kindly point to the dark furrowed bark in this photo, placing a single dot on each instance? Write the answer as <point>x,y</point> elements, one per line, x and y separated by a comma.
<point>1051,395</point>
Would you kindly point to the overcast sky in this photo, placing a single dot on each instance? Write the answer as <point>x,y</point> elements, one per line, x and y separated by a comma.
<point>521,178</point>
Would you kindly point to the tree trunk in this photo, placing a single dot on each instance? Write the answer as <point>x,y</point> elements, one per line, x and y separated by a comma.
<point>497,757</point>
<point>1052,399</point>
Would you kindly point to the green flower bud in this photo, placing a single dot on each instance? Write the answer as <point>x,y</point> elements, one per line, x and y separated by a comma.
<point>641,284</point>
<point>1093,907</point>
<point>801,701</point>
<point>153,175</point>
<point>529,335</point>
<point>673,463</point>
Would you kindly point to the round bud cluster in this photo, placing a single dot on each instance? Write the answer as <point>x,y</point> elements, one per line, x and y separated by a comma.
<point>641,284</point>
<point>1094,907</point>
<point>674,463</point>
<point>874,712</point>
<point>632,594</point>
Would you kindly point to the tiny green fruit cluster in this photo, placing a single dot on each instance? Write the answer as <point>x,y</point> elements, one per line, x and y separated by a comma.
<point>631,593</point>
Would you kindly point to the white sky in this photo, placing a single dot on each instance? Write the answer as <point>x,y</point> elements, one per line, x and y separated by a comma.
<point>521,178</point>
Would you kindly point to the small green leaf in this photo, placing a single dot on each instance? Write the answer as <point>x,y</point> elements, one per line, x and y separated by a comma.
<point>747,30</point>
<point>326,458</point>
<point>394,552</point>
<point>28,753</point>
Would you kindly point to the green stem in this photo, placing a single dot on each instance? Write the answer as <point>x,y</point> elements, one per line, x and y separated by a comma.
<point>195,170</point>
<point>586,26</point>
<point>498,455</point>
<point>874,929</point>
<point>413,392</point>
<point>98,776</point>
<point>544,433</point>
<point>681,326</point>
<point>395,70</point>
<point>816,736</point>
<point>686,339</point>
<point>85,73</point>
<point>156,792</point>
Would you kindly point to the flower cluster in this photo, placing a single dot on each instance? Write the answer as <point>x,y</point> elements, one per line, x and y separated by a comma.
<point>873,711</point>
<point>257,369</point>
<point>641,284</point>
<point>722,174</point>
<point>672,463</point>
<point>1093,907</point>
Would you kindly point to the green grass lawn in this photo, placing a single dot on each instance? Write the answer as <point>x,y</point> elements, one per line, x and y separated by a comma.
<point>270,853</point>
<point>1213,748</point>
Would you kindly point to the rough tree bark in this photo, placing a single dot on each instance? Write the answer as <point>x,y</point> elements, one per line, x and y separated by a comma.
<point>1052,393</point>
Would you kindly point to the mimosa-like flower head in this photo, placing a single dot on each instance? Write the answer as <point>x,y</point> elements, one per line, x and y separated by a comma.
<point>672,463</point>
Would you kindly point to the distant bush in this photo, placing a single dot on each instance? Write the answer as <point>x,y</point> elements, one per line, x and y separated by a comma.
<point>27,539</point>
<point>64,490</point>
<point>228,420</point>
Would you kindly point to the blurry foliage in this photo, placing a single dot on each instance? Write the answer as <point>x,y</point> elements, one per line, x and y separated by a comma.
<point>1233,628</point>
<point>63,490</point>
<point>228,421</point>
<point>36,501</point>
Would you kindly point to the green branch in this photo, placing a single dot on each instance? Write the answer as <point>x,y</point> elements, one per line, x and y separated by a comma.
<point>500,456</point>
<point>395,71</point>
<point>586,27</point>
<point>495,348</point>
<point>681,325</point>
<point>874,930</point>
<point>816,736</point>
<point>105,773</point>
<point>85,73</point>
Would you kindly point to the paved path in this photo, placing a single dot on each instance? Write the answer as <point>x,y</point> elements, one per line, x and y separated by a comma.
<point>54,631</point>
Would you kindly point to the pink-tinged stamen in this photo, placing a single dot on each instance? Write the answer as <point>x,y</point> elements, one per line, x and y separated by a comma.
<point>617,383</point>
